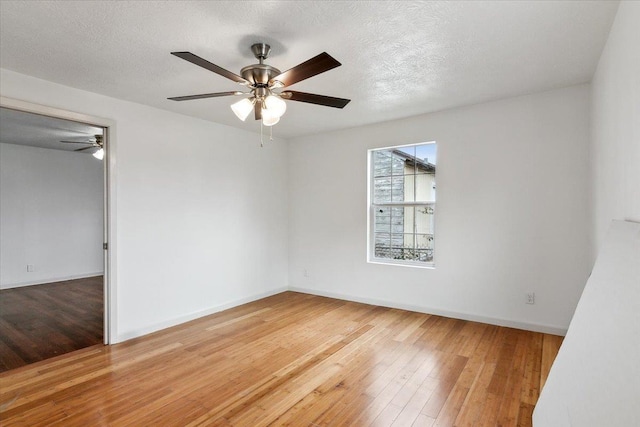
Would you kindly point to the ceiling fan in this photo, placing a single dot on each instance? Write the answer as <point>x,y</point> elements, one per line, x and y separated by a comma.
<point>263,80</point>
<point>95,142</point>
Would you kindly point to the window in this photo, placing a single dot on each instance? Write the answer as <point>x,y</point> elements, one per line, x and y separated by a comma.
<point>402,204</point>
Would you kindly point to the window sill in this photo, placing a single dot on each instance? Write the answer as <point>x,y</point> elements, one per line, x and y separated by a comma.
<point>382,261</point>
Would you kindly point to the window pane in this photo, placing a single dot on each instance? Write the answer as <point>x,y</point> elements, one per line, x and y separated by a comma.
<point>382,220</point>
<point>388,189</point>
<point>426,153</point>
<point>382,242</point>
<point>408,151</point>
<point>397,220</point>
<point>397,164</point>
<point>424,255</point>
<point>381,190</point>
<point>381,227</point>
<point>424,241</point>
<point>396,253</point>
<point>397,240</point>
<point>388,163</point>
<point>397,189</point>
<point>381,163</point>
<point>389,220</point>
<point>409,188</point>
<point>424,246</point>
<point>383,239</point>
<point>424,219</point>
<point>425,187</point>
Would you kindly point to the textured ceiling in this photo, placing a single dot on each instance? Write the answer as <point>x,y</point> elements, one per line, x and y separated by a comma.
<point>399,58</point>
<point>17,127</point>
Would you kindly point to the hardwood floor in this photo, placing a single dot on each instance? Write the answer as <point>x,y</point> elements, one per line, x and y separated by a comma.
<point>42,321</point>
<point>292,359</point>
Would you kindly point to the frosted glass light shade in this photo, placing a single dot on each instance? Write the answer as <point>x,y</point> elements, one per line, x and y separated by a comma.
<point>242,108</point>
<point>268,118</point>
<point>99,154</point>
<point>275,105</point>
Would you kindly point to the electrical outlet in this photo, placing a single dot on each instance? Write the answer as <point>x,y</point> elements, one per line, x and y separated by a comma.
<point>531,298</point>
<point>31,268</point>
<point>306,273</point>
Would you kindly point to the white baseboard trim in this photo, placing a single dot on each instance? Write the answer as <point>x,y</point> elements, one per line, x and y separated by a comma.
<point>547,329</point>
<point>196,315</point>
<point>50,280</point>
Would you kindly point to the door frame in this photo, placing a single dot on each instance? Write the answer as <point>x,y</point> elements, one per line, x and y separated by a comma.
<point>109,206</point>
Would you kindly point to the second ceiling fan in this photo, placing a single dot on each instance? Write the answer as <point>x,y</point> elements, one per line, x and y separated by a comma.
<point>263,80</point>
<point>96,142</point>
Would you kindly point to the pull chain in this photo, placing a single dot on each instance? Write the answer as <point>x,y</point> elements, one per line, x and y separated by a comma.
<point>261,141</point>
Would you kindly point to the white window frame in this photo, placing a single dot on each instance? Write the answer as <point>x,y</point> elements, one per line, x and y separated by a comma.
<point>371,207</point>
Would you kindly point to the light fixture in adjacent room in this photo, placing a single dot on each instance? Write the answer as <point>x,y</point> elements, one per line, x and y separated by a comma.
<point>96,142</point>
<point>99,154</point>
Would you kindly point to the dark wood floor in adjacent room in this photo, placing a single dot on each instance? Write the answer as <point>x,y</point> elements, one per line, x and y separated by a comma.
<point>292,359</point>
<point>42,321</point>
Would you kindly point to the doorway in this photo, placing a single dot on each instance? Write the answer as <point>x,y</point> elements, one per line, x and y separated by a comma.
<point>55,225</point>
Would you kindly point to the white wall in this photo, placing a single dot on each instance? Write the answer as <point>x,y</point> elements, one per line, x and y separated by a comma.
<point>201,208</point>
<point>512,213</point>
<point>595,379</point>
<point>50,215</point>
<point>615,124</point>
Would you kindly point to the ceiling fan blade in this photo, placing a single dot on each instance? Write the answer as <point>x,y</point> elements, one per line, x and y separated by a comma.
<point>195,59</point>
<point>78,142</point>
<point>204,95</point>
<point>258,110</point>
<point>314,66</point>
<point>311,98</point>
<point>85,148</point>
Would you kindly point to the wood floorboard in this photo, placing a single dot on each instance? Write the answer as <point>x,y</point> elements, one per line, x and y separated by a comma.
<point>292,360</point>
<point>43,321</point>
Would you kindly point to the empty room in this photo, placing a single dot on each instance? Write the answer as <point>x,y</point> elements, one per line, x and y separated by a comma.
<point>319,213</point>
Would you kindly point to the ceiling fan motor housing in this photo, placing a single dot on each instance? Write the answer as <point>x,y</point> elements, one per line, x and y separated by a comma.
<point>259,74</point>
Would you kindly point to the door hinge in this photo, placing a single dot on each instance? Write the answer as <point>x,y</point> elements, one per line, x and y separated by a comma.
<point>105,246</point>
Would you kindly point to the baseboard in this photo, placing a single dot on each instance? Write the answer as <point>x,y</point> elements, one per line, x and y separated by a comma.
<point>547,329</point>
<point>196,315</point>
<point>50,280</point>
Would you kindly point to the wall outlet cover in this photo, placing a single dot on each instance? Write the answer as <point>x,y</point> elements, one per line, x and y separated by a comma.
<point>531,298</point>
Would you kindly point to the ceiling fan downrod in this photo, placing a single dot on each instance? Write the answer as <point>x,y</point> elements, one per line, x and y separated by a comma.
<point>261,51</point>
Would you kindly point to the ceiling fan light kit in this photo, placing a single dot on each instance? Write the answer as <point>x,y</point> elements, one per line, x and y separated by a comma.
<point>269,118</point>
<point>243,108</point>
<point>275,104</point>
<point>263,80</point>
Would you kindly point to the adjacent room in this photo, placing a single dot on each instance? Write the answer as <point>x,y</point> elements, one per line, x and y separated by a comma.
<point>51,234</point>
<point>420,213</point>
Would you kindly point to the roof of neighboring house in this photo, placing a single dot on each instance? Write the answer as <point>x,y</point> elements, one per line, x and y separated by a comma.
<point>411,161</point>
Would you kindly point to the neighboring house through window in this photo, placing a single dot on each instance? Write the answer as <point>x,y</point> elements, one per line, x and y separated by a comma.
<point>402,204</point>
